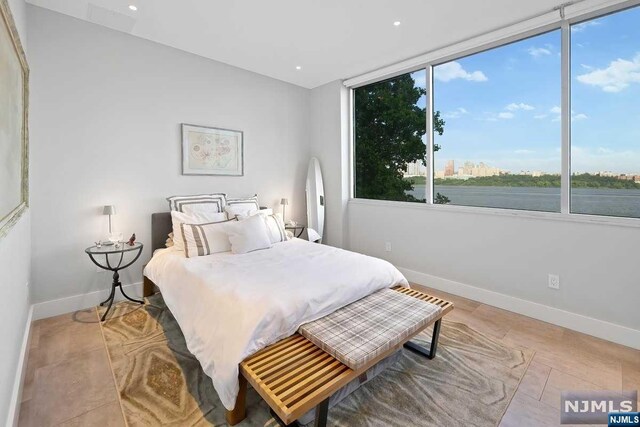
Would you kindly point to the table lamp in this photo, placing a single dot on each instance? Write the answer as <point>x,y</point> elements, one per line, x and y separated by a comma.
<point>109,210</point>
<point>284,202</point>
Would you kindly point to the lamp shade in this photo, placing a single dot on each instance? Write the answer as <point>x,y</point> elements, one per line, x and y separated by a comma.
<point>109,210</point>
<point>284,202</point>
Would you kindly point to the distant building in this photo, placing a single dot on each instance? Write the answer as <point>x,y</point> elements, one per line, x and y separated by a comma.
<point>416,169</point>
<point>449,169</point>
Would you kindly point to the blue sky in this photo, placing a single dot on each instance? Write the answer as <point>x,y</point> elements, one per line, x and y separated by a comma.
<point>502,106</point>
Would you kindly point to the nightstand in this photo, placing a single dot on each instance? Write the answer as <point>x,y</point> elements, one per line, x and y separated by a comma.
<point>120,251</point>
<point>298,228</point>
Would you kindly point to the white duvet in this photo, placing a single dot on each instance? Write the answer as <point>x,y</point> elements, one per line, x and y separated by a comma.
<point>230,306</point>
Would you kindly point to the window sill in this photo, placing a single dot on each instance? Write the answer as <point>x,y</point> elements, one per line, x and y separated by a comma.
<point>549,216</point>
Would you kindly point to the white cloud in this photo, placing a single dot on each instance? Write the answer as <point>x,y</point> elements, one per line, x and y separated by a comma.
<point>578,28</point>
<point>540,116</point>
<point>420,79</point>
<point>556,111</point>
<point>616,77</point>
<point>586,67</point>
<point>538,51</point>
<point>455,114</point>
<point>524,151</point>
<point>505,115</point>
<point>588,159</point>
<point>453,70</point>
<point>521,106</point>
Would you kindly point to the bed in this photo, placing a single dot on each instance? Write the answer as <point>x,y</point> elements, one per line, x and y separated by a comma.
<point>231,306</point>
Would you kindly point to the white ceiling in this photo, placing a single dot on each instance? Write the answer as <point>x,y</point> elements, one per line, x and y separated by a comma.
<point>330,39</point>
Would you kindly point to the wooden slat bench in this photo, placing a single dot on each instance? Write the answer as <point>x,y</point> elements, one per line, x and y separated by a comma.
<point>294,375</point>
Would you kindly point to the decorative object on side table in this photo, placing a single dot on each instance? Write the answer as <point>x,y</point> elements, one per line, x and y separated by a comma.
<point>211,151</point>
<point>14,135</point>
<point>132,240</point>
<point>96,250</point>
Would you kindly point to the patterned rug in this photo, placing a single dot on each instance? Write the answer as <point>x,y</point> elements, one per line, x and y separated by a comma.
<point>469,383</point>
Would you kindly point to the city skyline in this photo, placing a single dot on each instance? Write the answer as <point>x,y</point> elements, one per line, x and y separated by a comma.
<point>471,169</point>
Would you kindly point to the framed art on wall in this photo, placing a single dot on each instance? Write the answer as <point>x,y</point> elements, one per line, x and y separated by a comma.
<point>14,95</point>
<point>212,151</point>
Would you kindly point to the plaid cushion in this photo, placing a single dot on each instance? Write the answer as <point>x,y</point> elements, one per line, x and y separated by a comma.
<point>361,331</point>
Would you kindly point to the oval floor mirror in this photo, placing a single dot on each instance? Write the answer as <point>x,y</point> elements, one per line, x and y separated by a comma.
<point>315,202</point>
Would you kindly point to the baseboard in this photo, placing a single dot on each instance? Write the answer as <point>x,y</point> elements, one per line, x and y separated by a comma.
<point>21,369</point>
<point>577,322</point>
<point>80,302</point>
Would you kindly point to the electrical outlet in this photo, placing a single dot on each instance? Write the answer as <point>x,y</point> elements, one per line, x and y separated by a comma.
<point>387,246</point>
<point>554,281</point>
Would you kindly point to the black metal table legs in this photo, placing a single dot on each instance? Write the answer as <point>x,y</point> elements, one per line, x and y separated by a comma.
<point>322,412</point>
<point>116,284</point>
<point>430,353</point>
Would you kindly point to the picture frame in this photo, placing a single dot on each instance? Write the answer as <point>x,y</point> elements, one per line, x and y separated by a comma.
<point>14,111</point>
<point>212,151</point>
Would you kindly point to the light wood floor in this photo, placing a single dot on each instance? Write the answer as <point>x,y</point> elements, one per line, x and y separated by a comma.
<point>69,382</point>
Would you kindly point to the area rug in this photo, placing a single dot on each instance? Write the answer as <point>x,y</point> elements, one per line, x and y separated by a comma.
<point>469,383</point>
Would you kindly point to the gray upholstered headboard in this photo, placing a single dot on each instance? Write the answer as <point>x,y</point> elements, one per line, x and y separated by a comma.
<point>160,229</point>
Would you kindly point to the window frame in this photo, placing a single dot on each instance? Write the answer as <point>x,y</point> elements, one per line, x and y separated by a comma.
<point>565,214</point>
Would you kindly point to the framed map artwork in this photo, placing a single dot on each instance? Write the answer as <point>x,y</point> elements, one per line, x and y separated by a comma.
<point>212,151</point>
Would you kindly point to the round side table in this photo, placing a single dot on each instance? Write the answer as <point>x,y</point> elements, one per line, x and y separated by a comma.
<point>95,251</point>
<point>297,229</point>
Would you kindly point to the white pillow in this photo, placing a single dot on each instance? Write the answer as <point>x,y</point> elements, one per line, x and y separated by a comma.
<point>240,211</point>
<point>199,203</point>
<point>266,211</point>
<point>244,206</point>
<point>178,218</point>
<point>248,235</point>
<point>205,239</point>
<point>275,227</point>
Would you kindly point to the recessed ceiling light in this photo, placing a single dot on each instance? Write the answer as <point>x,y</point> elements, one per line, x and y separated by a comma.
<point>396,24</point>
<point>298,67</point>
<point>133,7</point>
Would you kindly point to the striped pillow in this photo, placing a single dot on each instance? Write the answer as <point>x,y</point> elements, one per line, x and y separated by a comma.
<point>199,203</point>
<point>242,207</point>
<point>205,239</point>
<point>275,228</point>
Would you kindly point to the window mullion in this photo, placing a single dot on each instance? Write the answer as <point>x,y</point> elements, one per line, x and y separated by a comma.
<point>429,136</point>
<point>565,177</point>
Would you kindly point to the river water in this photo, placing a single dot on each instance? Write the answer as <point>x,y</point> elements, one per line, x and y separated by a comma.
<point>595,201</point>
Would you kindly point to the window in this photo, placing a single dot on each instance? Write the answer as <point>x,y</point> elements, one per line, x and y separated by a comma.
<point>605,103</point>
<point>548,123</point>
<point>498,141</point>
<point>389,138</point>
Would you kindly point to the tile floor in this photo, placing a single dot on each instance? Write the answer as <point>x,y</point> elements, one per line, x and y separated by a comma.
<point>69,382</point>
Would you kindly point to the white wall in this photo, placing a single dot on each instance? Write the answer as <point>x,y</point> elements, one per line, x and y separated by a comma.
<point>106,110</point>
<point>510,255</point>
<point>14,275</point>
<point>330,143</point>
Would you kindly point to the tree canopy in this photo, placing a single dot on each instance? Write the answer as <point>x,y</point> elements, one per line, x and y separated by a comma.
<point>389,127</point>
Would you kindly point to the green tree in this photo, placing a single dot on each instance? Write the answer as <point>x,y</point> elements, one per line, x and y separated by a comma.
<point>389,126</point>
